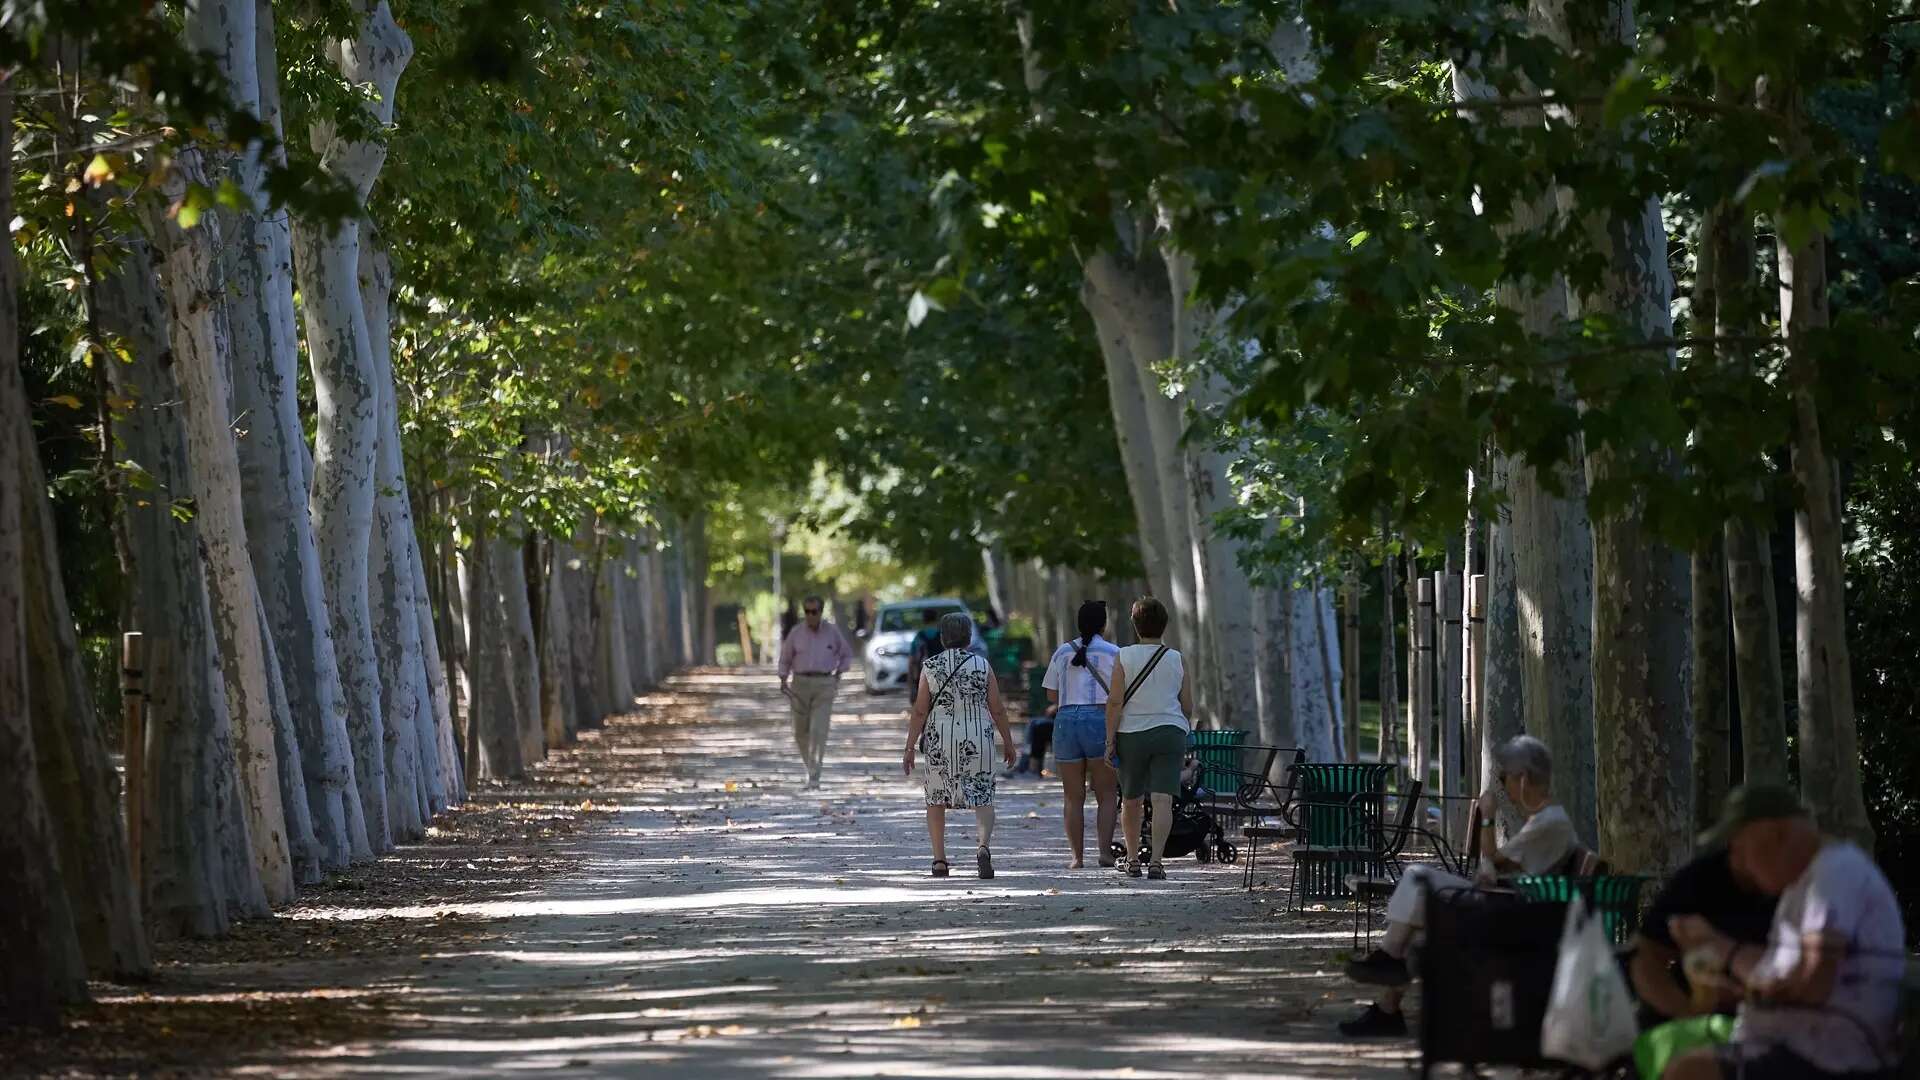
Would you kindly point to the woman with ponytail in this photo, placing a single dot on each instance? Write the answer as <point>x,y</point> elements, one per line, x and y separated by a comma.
<point>1077,680</point>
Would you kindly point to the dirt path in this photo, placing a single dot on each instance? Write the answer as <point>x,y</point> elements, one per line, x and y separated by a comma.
<point>722,922</point>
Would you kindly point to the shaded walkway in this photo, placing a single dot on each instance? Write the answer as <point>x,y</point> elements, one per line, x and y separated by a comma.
<point>727,924</point>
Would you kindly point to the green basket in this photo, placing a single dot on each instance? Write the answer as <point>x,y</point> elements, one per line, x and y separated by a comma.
<point>1332,821</point>
<point>1218,753</point>
<point>1615,896</point>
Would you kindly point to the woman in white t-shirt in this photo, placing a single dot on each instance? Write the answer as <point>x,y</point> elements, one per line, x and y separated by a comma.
<point>1077,681</point>
<point>1147,731</point>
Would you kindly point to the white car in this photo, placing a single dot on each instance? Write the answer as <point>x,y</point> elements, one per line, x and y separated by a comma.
<point>891,641</point>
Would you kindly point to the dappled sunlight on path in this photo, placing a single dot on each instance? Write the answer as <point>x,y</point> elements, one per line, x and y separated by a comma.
<point>728,923</point>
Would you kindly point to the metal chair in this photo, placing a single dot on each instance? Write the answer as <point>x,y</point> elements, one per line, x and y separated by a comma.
<point>1384,858</point>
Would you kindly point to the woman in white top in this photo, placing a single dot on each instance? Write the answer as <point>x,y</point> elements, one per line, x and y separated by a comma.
<point>1147,728</point>
<point>1076,682</point>
<point>956,712</point>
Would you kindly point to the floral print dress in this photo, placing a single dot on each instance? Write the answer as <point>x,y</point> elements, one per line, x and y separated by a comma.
<point>958,742</point>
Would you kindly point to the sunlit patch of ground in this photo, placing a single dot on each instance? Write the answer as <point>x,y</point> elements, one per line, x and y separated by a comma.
<point>664,899</point>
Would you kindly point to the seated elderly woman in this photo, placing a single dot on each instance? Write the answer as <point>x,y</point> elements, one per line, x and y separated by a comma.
<point>1525,771</point>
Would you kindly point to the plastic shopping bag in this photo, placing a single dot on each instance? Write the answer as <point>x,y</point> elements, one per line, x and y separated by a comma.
<point>1589,1021</point>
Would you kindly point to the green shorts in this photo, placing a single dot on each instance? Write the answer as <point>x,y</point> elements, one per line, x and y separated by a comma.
<point>1150,760</point>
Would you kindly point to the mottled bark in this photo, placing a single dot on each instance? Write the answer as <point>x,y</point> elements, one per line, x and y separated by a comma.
<point>77,779</point>
<point>1549,540</point>
<point>1712,724</point>
<point>195,288</point>
<point>44,967</point>
<point>1829,743</point>
<point>409,734</point>
<point>1502,711</point>
<point>1642,730</point>
<point>183,881</point>
<point>1128,402</point>
<point>576,580</point>
<point>1739,311</point>
<point>1388,751</point>
<point>1273,676</point>
<point>346,447</point>
<point>558,709</point>
<point>1131,300</point>
<point>509,580</point>
<point>610,625</point>
<point>215,277</point>
<point>492,708</point>
<point>275,470</point>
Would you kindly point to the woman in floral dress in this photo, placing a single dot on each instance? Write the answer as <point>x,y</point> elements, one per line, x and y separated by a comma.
<point>956,710</point>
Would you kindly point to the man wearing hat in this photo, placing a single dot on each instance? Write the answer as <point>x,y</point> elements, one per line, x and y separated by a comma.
<point>1821,996</point>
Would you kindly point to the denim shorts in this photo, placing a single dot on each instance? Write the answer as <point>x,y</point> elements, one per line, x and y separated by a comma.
<point>1080,733</point>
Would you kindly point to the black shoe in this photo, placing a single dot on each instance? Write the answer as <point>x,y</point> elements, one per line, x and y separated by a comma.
<point>1378,969</point>
<point>1376,1022</point>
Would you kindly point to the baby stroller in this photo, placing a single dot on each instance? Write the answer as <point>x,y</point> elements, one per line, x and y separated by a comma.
<point>1195,830</point>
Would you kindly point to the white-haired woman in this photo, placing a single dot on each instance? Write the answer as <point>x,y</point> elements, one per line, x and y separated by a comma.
<point>1525,772</point>
<point>956,711</point>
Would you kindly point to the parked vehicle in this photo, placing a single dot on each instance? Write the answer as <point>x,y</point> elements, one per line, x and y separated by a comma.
<point>890,642</point>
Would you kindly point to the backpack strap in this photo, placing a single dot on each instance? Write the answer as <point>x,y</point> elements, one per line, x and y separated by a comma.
<point>1133,684</point>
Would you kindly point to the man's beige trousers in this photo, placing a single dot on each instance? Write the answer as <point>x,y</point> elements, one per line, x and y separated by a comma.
<point>812,703</point>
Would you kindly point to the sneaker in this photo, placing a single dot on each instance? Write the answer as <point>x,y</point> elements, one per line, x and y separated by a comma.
<point>1378,969</point>
<point>1376,1022</point>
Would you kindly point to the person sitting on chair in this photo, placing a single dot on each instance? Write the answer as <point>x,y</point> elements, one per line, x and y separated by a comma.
<point>1822,995</point>
<point>1525,771</point>
<point>1711,887</point>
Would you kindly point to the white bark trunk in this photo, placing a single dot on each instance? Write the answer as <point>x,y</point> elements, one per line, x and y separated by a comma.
<point>493,713</point>
<point>558,707</point>
<point>406,710</point>
<point>1502,710</point>
<point>447,788</point>
<point>1140,302</point>
<point>195,291</point>
<point>275,468</point>
<point>1314,681</point>
<point>633,601</point>
<point>1551,546</point>
<point>345,454</point>
<point>1273,674</point>
<point>1643,736</point>
<point>226,30</point>
<point>1128,402</point>
<point>577,582</point>
<point>611,625</point>
<point>510,583</point>
<point>181,876</point>
<point>1829,740</point>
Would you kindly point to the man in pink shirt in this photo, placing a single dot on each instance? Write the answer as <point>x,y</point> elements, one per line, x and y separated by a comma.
<point>812,657</point>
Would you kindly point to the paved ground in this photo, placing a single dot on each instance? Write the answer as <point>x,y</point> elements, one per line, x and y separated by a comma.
<point>730,924</point>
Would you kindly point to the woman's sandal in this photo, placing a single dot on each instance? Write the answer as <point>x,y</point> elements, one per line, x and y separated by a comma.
<point>985,861</point>
<point>1132,868</point>
<point>1156,872</point>
<point>940,868</point>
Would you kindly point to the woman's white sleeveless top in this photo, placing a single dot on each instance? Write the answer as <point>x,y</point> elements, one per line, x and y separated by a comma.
<point>1157,702</point>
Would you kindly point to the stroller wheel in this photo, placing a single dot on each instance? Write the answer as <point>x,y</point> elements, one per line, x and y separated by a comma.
<point>1228,853</point>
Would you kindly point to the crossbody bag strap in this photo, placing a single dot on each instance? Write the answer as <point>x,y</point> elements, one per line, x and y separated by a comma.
<point>1133,684</point>
<point>943,682</point>
<point>1093,670</point>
